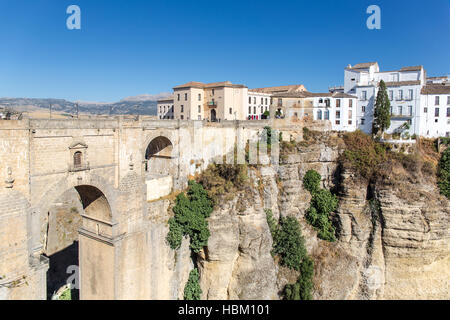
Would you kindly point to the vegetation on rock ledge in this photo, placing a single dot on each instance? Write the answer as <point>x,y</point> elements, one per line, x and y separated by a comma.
<point>289,245</point>
<point>192,290</point>
<point>323,202</point>
<point>444,173</point>
<point>191,211</point>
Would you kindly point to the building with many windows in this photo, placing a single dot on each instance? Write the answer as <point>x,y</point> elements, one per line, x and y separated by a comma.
<point>410,93</point>
<point>165,108</point>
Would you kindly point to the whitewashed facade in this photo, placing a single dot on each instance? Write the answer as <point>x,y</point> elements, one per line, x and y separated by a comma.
<point>258,104</point>
<point>165,108</point>
<point>406,94</point>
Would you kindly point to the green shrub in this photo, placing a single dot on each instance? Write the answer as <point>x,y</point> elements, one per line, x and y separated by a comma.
<point>273,225</point>
<point>444,173</point>
<point>190,211</point>
<point>192,290</point>
<point>311,181</point>
<point>289,243</point>
<point>301,290</point>
<point>323,202</point>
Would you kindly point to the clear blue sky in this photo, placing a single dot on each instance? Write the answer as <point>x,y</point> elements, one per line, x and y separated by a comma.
<point>127,48</point>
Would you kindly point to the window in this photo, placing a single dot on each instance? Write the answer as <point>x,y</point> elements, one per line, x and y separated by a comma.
<point>363,121</point>
<point>327,102</point>
<point>448,100</point>
<point>249,110</point>
<point>350,103</point>
<point>182,117</point>
<point>392,110</point>
<point>400,110</point>
<point>199,109</point>
<point>436,100</point>
<point>178,97</point>
<point>319,115</point>
<point>262,100</point>
<point>254,101</point>
<point>266,108</point>
<point>327,115</point>
<point>425,110</point>
<point>266,101</point>
<point>262,109</point>
<point>320,100</point>
<point>77,159</point>
<point>254,110</point>
<point>338,122</point>
<point>199,97</point>
<point>410,95</point>
<point>436,112</point>
<point>364,95</point>
<point>182,108</point>
<point>448,112</point>
<point>410,110</point>
<point>436,120</point>
<point>350,114</point>
<point>199,117</point>
<point>212,91</point>
<point>391,95</point>
<point>400,95</point>
<point>338,103</point>
<point>349,121</point>
<point>231,110</point>
<point>249,99</point>
<point>338,114</point>
<point>363,109</point>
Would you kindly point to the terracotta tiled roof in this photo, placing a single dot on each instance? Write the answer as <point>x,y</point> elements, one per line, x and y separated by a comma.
<point>402,83</point>
<point>201,85</point>
<point>436,89</point>
<point>168,99</point>
<point>281,89</point>
<point>413,68</point>
<point>306,94</point>
<point>437,78</point>
<point>363,65</point>
<point>190,84</point>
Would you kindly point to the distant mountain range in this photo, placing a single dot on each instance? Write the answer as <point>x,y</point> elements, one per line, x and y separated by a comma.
<point>138,105</point>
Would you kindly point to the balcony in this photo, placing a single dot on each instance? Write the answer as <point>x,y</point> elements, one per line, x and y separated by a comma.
<point>212,104</point>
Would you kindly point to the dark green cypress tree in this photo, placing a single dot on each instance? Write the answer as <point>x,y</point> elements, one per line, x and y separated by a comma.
<point>382,112</point>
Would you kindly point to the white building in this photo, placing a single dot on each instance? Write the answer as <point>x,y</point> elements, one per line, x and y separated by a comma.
<point>434,119</point>
<point>258,104</point>
<point>165,108</point>
<point>406,94</point>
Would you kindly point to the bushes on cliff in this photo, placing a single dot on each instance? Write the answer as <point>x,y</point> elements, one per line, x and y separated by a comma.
<point>190,211</point>
<point>192,290</point>
<point>323,202</point>
<point>224,180</point>
<point>311,181</point>
<point>301,290</point>
<point>363,153</point>
<point>444,173</point>
<point>289,245</point>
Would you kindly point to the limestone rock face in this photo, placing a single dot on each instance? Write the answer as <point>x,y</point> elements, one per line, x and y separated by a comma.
<point>237,264</point>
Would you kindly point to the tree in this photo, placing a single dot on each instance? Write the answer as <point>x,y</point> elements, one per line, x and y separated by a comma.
<point>382,113</point>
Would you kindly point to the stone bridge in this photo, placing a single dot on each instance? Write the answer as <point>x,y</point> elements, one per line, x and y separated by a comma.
<point>77,192</point>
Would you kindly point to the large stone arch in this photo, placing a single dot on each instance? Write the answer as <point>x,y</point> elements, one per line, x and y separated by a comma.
<point>96,235</point>
<point>159,154</point>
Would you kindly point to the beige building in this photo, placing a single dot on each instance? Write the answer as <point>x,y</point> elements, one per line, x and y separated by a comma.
<point>213,101</point>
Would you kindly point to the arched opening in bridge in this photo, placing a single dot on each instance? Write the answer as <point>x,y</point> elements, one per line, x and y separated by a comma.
<point>158,156</point>
<point>65,218</point>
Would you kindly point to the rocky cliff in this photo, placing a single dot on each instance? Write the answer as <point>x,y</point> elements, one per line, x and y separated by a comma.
<point>393,232</point>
